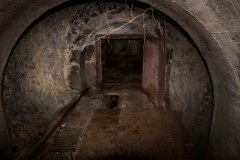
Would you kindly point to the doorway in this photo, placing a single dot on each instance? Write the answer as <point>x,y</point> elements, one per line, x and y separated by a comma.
<point>120,59</point>
<point>131,60</point>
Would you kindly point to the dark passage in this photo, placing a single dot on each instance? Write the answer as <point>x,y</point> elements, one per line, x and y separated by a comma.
<point>122,60</point>
<point>149,91</point>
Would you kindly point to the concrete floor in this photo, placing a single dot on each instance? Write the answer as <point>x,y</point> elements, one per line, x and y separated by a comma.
<point>135,129</point>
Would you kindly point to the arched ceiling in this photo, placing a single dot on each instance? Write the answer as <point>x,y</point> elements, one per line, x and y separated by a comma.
<point>212,24</point>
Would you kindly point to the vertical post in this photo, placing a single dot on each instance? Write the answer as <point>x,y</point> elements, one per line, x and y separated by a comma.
<point>165,62</point>
<point>98,61</point>
<point>153,80</point>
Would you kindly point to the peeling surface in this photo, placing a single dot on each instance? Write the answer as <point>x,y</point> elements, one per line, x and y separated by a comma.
<point>45,71</point>
<point>190,89</point>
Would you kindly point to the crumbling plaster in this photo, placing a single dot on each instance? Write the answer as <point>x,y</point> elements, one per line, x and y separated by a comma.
<point>213,26</point>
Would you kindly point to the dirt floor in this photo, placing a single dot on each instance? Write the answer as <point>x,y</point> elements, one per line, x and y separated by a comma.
<point>122,127</point>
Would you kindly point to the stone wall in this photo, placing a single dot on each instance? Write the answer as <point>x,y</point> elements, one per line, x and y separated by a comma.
<point>217,38</point>
<point>90,20</point>
<point>35,83</point>
<point>190,89</point>
<point>56,60</point>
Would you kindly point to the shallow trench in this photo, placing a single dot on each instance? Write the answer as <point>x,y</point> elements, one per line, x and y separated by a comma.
<point>55,61</point>
<point>134,129</point>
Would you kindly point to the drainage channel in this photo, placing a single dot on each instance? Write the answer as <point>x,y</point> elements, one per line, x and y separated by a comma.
<point>102,132</point>
<point>111,101</point>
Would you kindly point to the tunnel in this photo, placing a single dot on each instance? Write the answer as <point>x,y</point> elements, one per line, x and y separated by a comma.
<point>140,79</point>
